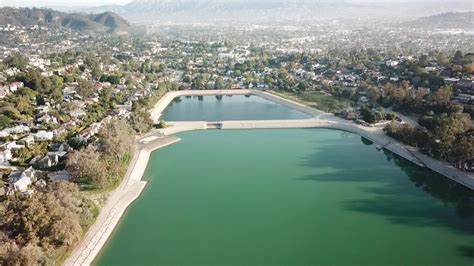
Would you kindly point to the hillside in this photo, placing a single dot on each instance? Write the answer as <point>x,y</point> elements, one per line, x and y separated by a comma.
<point>107,22</point>
<point>450,20</point>
<point>274,11</point>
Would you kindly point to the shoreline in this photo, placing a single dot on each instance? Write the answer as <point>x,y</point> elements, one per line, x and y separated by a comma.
<point>132,185</point>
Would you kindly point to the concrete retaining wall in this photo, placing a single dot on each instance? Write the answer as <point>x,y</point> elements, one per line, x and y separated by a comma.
<point>286,102</point>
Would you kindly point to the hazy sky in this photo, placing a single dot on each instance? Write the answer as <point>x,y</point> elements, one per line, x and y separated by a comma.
<point>40,3</point>
<point>84,3</point>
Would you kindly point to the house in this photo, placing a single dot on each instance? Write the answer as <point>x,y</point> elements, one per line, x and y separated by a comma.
<point>4,134</point>
<point>21,180</point>
<point>18,129</point>
<point>43,135</point>
<point>391,63</point>
<point>466,86</point>
<point>121,111</point>
<point>464,98</point>
<point>15,86</point>
<point>60,130</point>
<point>46,118</point>
<point>69,93</point>
<point>13,146</point>
<point>5,156</point>
<point>77,113</point>
<point>42,109</point>
<point>363,100</point>
<point>60,147</point>
<point>424,90</point>
<point>35,160</point>
<point>48,161</point>
<point>59,176</point>
<point>28,140</point>
<point>90,131</point>
<point>451,81</point>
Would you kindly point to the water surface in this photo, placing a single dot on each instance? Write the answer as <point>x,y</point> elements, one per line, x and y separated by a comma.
<point>234,107</point>
<point>291,197</point>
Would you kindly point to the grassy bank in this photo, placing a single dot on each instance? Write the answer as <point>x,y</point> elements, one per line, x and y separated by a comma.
<point>319,100</point>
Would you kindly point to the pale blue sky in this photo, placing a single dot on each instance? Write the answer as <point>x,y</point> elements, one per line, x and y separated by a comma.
<point>86,3</point>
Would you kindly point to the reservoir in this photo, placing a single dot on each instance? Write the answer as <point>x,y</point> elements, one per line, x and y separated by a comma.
<point>291,197</point>
<point>235,107</point>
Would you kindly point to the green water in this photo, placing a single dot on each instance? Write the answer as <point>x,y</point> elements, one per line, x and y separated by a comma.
<point>291,197</point>
<point>235,107</point>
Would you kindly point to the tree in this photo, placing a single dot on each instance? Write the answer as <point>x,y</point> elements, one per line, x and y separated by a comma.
<point>469,68</point>
<point>40,224</point>
<point>16,60</point>
<point>57,84</point>
<point>86,88</point>
<point>25,91</point>
<point>442,96</point>
<point>141,121</point>
<point>198,83</point>
<point>219,85</point>
<point>373,94</point>
<point>86,167</point>
<point>5,121</point>
<point>458,58</point>
<point>463,151</point>
<point>367,115</point>
<point>115,139</point>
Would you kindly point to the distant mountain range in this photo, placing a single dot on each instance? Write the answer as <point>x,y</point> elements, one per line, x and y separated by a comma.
<point>106,22</point>
<point>274,11</point>
<point>449,20</point>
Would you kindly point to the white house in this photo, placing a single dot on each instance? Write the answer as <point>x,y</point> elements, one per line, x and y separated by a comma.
<point>391,63</point>
<point>21,180</point>
<point>13,146</point>
<point>15,86</point>
<point>17,130</point>
<point>4,134</point>
<point>48,161</point>
<point>28,140</point>
<point>43,135</point>
<point>5,156</point>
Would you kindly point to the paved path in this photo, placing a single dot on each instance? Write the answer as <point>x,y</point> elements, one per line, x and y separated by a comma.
<point>117,203</point>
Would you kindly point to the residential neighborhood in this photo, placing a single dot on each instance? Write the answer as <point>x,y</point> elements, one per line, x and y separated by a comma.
<point>77,91</point>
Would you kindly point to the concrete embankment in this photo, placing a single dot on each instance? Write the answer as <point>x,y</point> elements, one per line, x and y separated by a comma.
<point>287,102</point>
<point>118,201</point>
